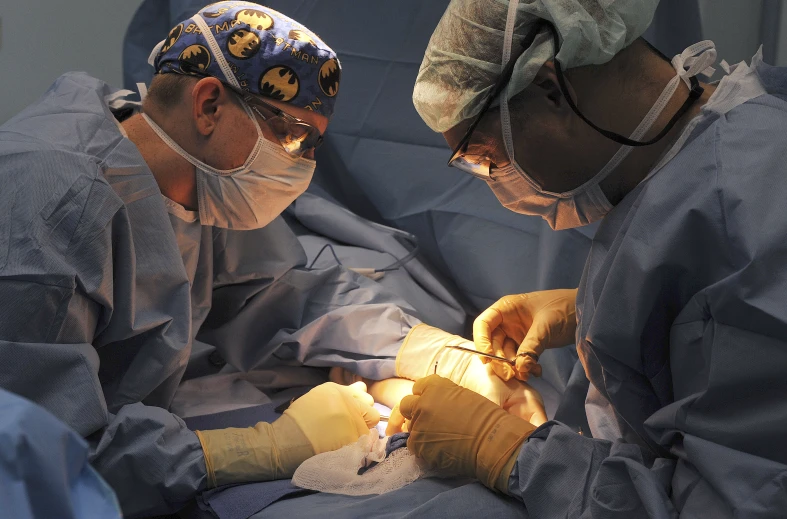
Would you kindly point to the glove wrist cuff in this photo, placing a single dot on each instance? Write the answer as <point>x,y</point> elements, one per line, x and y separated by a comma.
<point>502,480</point>
<point>293,446</point>
<point>205,440</point>
<point>261,453</point>
<point>499,444</point>
<point>236,455</point>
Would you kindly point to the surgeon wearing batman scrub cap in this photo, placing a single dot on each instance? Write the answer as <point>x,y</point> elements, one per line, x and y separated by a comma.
<point>131,232</point>
<point>680,319</point>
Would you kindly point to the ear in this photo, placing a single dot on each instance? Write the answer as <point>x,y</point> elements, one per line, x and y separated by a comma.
<point>208,98</point>
<point>547,85</point>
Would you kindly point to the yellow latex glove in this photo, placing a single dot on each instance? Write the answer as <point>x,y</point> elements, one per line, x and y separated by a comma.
<point>424,347</point>
<point>459,433</point>
<point>522,326</point>
<point>326,418</point>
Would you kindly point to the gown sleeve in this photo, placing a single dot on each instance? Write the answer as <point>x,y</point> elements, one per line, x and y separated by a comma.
<point>723,430</point>
<point>84,334</point>
<point>269,309</point>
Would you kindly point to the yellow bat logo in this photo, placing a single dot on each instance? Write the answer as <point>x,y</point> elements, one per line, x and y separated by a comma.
<point>255,19</point>
<point>243,44</point>
<point>280,83</point>
<point>172,37</point>
<point>218,12</point>
<point>301,36</point>
<point>197,56</point>
<point>329,77</point>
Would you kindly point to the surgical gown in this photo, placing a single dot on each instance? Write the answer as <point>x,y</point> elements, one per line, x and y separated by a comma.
<point>44,470</point>
<point>104,284</point>
<point>682,330</point>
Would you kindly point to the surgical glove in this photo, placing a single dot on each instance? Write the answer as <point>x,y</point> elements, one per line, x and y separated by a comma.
<point>459,433</point>
<point>326,418</point>
<point>424,353</point>
<point>522,326</point>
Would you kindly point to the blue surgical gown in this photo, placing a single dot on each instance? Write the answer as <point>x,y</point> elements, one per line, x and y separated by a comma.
<point>682,331</point>
<point>43,467</point>
<point>104,285</point>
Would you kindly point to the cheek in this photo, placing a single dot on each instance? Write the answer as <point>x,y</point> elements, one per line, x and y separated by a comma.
<point>239,140</point>
<point>536,154</point>
<point>557,161</point>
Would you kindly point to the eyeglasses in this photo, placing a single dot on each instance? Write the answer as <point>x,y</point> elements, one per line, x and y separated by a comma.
<point>481,166</point>
<point>295,135</point>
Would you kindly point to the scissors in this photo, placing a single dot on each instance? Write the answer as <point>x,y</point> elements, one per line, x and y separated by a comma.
<point>510,362</point>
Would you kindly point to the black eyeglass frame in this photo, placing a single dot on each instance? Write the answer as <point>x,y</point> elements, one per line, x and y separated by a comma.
<point>695,93</point>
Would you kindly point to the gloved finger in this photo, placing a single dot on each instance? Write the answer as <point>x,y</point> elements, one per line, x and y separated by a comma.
<point>395,422</point>
<point>360,404</point>
<point>483,326</point>
<point>499,346</point>
<point>510,348</point>
<point>359,392</point>
<point>371,416</point>
<point>538,337</point>
<point>539,417</point>
<point>432,380</point>
<point>550,329</point>
<point>525,366</point>
<point>407,406</point>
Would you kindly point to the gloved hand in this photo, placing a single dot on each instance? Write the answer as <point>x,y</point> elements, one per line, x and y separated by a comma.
<point>424,347</point>
<point>326,418</point>
<point>459,433</point>
<point>522,326</point>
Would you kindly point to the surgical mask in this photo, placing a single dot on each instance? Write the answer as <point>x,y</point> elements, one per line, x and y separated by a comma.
<point>251,196</point>
<point>519,192</point>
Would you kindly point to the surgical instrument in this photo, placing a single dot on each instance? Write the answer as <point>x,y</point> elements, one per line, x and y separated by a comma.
<point>481,353</point>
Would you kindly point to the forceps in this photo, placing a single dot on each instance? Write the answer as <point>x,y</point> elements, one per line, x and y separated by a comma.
<point>481,353</point>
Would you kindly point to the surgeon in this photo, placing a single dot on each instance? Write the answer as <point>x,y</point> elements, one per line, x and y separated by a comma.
<point>132,233</point>
<point>680,319</point>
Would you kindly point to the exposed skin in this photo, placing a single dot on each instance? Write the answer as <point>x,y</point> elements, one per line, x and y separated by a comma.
<point>559,150</point>
<point>211,125</point>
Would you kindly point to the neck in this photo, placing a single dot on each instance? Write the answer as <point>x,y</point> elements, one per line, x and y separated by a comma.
<point>174,175</point>
<point>630,105</point>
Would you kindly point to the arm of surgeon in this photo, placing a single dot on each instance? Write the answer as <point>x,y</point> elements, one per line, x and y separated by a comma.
<point>558,473</point>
